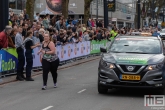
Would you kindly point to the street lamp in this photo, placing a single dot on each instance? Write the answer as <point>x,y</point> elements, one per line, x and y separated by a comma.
<point>163,12</point>
<point>139,17</point>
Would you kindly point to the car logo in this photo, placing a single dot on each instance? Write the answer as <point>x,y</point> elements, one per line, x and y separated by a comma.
<point>130,68</point>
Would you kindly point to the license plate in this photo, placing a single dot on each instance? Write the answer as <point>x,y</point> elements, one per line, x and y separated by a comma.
<point>130,77</point>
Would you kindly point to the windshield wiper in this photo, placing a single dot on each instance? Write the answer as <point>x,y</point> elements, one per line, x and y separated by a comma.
<point>138,52</point>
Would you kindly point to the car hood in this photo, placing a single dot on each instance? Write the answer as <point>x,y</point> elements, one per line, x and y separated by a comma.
<point>133,59</point>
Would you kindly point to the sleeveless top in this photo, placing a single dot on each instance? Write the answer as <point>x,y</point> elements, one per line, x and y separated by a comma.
<point>49,57</point>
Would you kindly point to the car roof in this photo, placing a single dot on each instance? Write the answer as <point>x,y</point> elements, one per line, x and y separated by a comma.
<point>140,37</point>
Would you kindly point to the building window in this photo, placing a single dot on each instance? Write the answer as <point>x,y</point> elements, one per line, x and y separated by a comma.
<point>17,4</point>
<point>21,4</point>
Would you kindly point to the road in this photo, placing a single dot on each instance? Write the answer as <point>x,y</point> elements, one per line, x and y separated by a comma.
<point>77,90</point>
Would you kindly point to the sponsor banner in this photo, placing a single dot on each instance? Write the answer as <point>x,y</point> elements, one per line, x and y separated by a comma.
<point>53,7</point>
<point>70,51</point>
<point>132,60</point>
<point>9,57</point>
<point>36,57</point>
<point>95,46</point>
<point>88,49</point>
<point>8,60</point>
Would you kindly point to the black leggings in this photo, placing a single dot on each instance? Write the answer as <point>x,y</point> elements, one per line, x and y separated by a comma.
<point>49,67</point>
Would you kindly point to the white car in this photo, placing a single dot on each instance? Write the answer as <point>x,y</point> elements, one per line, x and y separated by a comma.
<point>162,33</point>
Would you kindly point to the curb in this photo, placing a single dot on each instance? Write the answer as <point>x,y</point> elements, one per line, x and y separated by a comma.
<point>60,68</point>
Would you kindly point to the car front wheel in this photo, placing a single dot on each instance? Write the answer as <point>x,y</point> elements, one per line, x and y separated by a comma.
<point>102,90</point>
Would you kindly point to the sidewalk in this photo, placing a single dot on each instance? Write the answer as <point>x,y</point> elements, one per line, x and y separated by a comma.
<point>10,79</point>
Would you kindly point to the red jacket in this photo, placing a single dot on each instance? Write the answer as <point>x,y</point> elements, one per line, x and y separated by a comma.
<point>3,40</point>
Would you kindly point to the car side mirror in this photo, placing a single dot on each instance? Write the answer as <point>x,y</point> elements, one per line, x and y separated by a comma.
<point>104,50</point>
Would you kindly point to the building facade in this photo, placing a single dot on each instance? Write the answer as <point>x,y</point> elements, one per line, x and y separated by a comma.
<point>123,16</point>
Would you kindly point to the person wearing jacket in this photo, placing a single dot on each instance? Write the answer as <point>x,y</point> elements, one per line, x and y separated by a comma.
<point>4,37</point>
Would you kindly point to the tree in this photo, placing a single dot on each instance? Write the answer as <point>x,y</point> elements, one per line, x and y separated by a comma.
<point>147,5</point>
<point>65,8</point>
<point>30,9</point>
<point>87,10</point>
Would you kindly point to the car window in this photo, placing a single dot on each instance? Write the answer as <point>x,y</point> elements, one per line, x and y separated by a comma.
<point>148,46</point>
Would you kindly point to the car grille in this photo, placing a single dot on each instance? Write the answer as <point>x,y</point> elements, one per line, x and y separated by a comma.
<point>141,73</point>
<point>124,68</point>
<point>129,84</point>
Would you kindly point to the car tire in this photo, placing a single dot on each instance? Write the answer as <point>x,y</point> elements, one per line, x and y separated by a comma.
<point>102,90</point>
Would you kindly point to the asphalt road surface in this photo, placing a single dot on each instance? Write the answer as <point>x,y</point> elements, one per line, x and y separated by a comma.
<point>77,90</point>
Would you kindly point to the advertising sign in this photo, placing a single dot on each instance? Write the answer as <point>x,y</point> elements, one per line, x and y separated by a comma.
<point>54,7</point>
<point>8,60</point>
<point>111,5</point>
<point>95,46</point>
<point>9,57</point>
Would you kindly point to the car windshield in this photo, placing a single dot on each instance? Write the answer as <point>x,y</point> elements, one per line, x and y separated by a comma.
<point>136,45</point>
<point>163,31</point>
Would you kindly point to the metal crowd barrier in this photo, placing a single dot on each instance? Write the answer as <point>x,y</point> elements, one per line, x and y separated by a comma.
<point>37,69</point>
<point>67,55</point>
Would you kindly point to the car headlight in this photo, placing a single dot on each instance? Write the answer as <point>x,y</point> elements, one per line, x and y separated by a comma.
<point>107,64</point>
<point>154,67</point>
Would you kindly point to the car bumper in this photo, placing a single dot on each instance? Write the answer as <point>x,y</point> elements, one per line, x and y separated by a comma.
<point>108,78</point>
<point>109,83</point>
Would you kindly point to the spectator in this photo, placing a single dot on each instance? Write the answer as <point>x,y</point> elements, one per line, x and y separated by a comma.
<point>100,24</point>
<point>75,37</point>
<point>13,34</point>
<point>37,17</point>
<point>99,35</point>
<point>24,32</point>
<point>41,35</point>
<point>84,27</point>
<point>53,21</point>
<point>61,38</point>
<point>58,24</point>
<point>28,53</point>
<point>4,37</point>
<point>46,21</point>
<point>35,38</point>
<point>20,52</point>
<point>74,28</point>
<point>26,16</point>
<point>11,37</point>
<point>86,36</point>
<point>11,20</point>
<point>89,23</point>
<point>92,23</point>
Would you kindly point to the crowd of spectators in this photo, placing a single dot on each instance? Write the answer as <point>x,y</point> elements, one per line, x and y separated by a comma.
<point>62,30</point>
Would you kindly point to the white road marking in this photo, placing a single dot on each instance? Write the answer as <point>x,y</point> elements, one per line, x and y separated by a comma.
<point>47,108</point>
<point>81,91</point>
